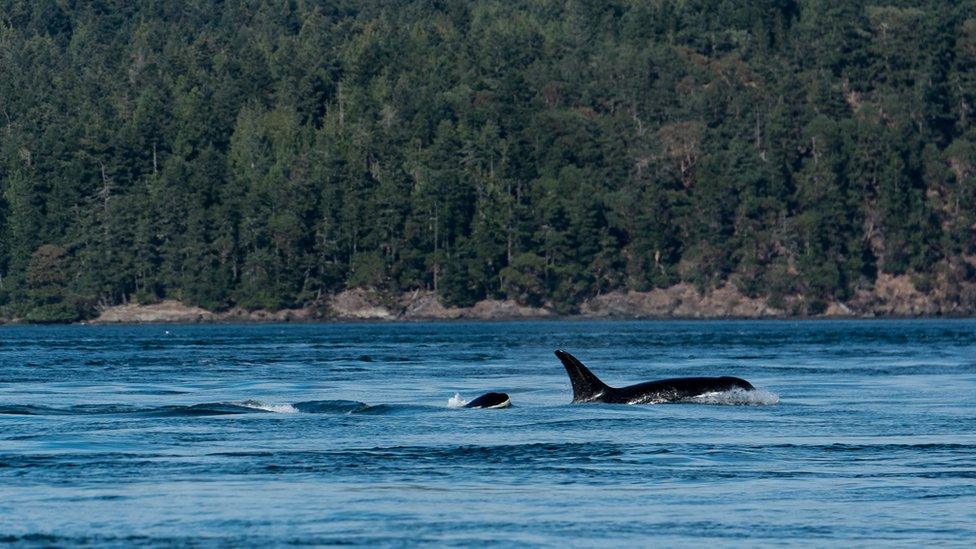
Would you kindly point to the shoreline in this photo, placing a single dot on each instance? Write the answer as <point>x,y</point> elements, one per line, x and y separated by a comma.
<point>5,323</point>
<point>554,319</point>
<point>891,298</point>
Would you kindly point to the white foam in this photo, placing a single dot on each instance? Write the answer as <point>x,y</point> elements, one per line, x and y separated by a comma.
<point>737,397</point>
<point>456,401</point>
<point>276,408</point>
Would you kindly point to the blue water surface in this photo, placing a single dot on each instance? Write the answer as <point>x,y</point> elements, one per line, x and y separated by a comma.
<point>256,435</point>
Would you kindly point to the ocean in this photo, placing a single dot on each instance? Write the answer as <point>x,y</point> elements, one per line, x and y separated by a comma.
<point>863,432</point>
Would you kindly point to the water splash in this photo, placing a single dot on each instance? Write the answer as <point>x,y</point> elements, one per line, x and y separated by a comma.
<point>737,397</point>
<point>276,408</point>
<point>456,401</point>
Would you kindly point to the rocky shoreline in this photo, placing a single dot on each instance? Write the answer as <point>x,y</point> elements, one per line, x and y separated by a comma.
<point>350,305</point>
<point>890,297</point>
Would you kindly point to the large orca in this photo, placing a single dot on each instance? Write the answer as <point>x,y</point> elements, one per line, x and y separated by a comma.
<point>588,388</point>
<point>490,400</point>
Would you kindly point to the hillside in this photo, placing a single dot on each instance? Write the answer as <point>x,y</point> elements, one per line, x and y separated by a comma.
<point>248,155</point>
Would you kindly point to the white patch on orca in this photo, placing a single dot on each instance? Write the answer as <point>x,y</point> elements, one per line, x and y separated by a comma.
<point>456,401</point>
<point>737,397</point>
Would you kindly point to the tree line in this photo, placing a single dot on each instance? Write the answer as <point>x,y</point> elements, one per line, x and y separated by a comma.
<point>268,153</point>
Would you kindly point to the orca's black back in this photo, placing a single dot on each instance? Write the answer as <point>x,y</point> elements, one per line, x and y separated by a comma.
<point>677,388</point>
<point>488,400</point>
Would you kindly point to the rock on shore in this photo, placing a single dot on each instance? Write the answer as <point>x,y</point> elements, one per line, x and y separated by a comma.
<point>168,310</point>
<point>679,301</point>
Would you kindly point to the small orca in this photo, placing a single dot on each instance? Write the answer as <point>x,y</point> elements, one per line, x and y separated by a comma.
<point>490,400</point>
<point>588,388</point>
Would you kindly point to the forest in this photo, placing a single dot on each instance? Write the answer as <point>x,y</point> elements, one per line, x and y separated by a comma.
<point>265,154</point>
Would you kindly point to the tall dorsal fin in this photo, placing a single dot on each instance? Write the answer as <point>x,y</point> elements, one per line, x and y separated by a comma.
<point>586,386</point>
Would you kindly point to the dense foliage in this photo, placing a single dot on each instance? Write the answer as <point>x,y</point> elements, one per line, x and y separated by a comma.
<point>265,153</point>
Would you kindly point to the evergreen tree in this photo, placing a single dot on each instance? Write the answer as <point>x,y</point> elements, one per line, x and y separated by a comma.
<point>265,154</point>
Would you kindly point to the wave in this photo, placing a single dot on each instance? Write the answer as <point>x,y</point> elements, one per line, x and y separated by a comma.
<point>25,410</point>
<point>220,408</point>
<point>202,409</point>
<point>79,409</point>
<point>393,409</point>
<point>393,457</point>
<point>206,409</point>
<point>214,409</point>
<point>331,406</point>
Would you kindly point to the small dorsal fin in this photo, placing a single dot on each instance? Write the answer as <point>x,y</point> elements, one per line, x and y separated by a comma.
<point>586,386</point>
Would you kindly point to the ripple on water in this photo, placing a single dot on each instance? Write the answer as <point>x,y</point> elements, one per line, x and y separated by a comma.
<point>343,433</point>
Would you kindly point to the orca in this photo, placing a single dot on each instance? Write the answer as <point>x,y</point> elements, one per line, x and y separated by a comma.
<point>588,388</point>
<point>490,400</point>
